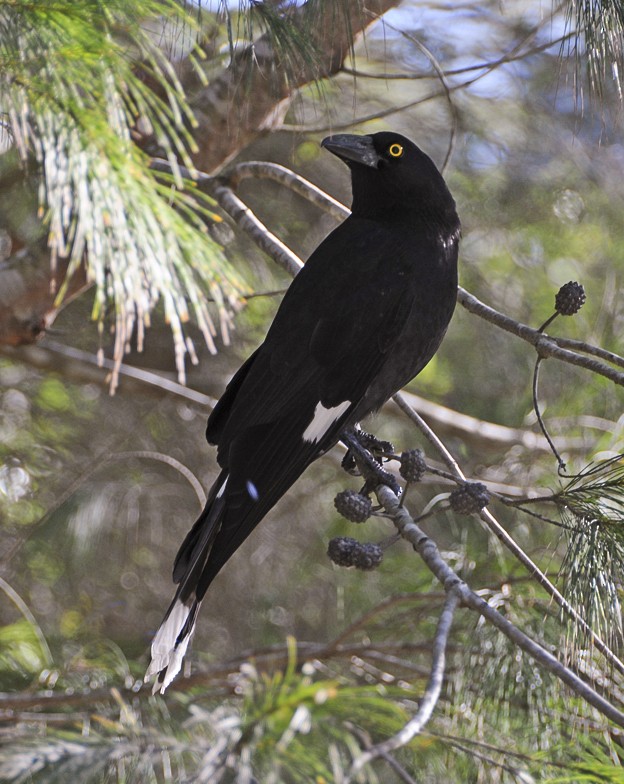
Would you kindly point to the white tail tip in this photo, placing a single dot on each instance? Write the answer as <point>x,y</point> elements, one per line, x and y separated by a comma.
<point>167,653</point>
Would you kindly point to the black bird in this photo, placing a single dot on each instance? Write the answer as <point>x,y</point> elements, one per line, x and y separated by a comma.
<point>363,317</point>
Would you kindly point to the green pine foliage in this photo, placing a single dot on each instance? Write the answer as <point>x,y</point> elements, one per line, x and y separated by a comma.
<point>592,509</point>
<point>73,87</point>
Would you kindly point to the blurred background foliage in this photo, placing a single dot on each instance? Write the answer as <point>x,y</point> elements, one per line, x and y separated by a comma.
<point>96,491</point>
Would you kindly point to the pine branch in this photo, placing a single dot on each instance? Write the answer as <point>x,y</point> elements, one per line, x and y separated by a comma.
<point>545,345</point>
<point>109,218</point>
<point>508,541</point>
<point>428,551</point>
<point>601,25</point>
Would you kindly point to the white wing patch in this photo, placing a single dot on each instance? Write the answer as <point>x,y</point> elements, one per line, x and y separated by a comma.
<point>322,420</point>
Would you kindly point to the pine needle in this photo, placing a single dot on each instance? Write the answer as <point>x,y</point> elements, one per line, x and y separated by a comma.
<point>592,504</point>
<point>70,90</point>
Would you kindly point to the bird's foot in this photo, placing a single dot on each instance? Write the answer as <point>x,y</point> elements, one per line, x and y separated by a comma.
<point>363,458</point>
<point>377,448</point>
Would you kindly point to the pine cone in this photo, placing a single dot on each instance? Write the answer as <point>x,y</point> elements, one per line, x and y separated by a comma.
<point>342,550</point>
<point>471,497</point>
<point>367,556</point>
<point>353,506</point>
<point>570,298</point>
<point>413,465</point>
<point>345,551</point>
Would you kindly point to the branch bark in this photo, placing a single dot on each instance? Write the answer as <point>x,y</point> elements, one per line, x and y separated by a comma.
<point>545,345</point>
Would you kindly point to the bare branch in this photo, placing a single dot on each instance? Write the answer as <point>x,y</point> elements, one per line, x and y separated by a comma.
<point>486,434</point>
<point>543,344</point>
<point>86,367</point>
<point>430,697</point>
<point>446,456</point>
<point>587,348</point>
<point>296,183</point>
<point>249,223</point>
<point>221,188</point>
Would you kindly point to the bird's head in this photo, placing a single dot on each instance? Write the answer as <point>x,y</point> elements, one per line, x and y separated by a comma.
<point>390,173</point>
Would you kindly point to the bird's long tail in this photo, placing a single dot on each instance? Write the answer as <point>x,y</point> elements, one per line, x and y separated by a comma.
<point>171,641</point>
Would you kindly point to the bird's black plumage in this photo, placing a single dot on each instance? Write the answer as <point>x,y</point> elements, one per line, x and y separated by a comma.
<point>364,316</point>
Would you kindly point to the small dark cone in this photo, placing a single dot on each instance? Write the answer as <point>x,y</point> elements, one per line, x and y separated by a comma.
<point>368,556</point>
<point>342,550</point>
<point>413,465</point>
<point>345,551</point>
<point>353,506</point>
<point>570,298</point>
<point>470,498</point>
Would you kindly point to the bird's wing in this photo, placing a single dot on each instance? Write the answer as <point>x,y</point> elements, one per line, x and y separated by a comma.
<point>336,325</point>
<point>291,400</point>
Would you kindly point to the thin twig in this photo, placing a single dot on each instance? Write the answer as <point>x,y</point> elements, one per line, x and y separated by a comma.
<point>489,66</point>
<point>378,609</point>
<point>139,374</point>
<point>587,348</point>
<point>424,428</point>
<point>430,697</point>
<point>543,344</point>
<point>296,183</point>
<point>445,87</point>
<point>248,222</point>
<point>30,618</point>
<point>503,751</point>
<point>168,460</point>
<point>365,741</point>
<point>335,126</point>
<point>560,462</point>
<point>516,772</point>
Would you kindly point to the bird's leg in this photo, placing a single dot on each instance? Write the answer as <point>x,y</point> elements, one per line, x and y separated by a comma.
<point>364,455</point>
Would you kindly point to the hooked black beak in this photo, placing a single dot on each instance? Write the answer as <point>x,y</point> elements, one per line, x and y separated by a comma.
<point>353,149</point>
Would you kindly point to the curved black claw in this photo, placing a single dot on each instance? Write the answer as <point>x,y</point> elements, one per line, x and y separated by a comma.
<point>375,445</point>
<point>349,464</point>
<point>369,466</point>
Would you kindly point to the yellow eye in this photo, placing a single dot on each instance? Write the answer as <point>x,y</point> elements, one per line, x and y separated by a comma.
<point>395,150</point>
